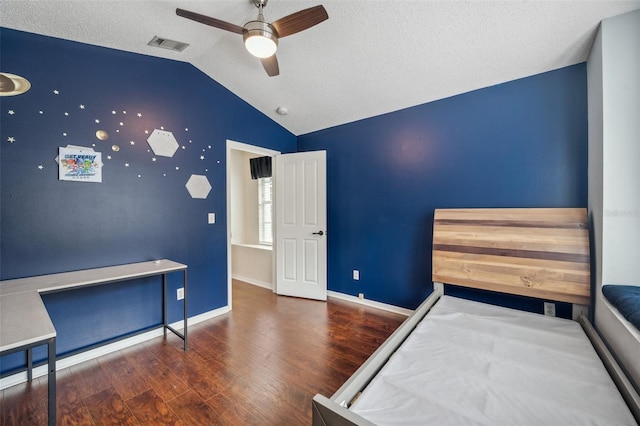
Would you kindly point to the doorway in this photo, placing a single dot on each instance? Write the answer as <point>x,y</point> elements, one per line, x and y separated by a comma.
<point>242,227</point>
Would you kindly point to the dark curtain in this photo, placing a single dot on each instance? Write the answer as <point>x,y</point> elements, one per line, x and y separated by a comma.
<point>260,167</point>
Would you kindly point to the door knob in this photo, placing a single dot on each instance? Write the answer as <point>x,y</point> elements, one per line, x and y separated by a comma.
<point>319,233</point>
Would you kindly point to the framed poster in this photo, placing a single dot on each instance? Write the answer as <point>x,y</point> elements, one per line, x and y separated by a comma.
<point>77,164</point>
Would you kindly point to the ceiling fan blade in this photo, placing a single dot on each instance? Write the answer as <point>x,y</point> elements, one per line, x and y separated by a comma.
<point>300,21</point>
<point>270,65</point>
<point>209,21</point>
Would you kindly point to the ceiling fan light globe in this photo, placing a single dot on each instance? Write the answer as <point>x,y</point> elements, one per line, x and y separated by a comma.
<point>260,46</point>
<point>260,39</point>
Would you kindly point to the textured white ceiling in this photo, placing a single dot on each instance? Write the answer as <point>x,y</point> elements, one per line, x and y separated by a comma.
<point>369,58</point>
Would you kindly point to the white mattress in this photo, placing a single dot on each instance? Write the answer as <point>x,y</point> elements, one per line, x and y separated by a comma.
<point>470,363</point>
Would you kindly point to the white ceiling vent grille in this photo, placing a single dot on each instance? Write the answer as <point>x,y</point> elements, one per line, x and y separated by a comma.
<point>165,43</point>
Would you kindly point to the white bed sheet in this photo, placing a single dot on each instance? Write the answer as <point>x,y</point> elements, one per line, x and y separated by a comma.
<point>469,363</point>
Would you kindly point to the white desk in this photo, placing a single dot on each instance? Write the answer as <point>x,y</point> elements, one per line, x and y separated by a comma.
<point>25,323</point>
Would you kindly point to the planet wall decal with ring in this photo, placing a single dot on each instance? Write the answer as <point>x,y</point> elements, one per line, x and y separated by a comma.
<point>11,84</point>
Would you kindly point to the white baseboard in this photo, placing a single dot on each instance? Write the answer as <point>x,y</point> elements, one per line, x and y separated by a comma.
<point>342,296</point>
<point>370,303</point>
<point>252,281</point>
<point>63,363</point>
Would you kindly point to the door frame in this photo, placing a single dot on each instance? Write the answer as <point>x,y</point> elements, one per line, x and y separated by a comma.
<point>239,146</point>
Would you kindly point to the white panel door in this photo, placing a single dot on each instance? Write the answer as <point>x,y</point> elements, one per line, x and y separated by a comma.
<point>300,204</point>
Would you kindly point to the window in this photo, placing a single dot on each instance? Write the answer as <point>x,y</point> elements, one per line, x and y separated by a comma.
<point>265,225</point>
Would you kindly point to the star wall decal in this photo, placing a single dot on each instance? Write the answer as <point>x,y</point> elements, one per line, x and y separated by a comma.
<point>12,112</point>
<point>11,139</point>
<point>56,92</point>
<point>81,106</point>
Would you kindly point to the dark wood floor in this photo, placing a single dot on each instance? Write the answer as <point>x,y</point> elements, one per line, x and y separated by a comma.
<point>258,365</point>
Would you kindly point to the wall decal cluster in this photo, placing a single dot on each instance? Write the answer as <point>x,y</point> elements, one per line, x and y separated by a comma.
<point>115,131</point>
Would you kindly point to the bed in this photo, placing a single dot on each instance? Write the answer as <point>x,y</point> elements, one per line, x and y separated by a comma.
<point>456,361</point>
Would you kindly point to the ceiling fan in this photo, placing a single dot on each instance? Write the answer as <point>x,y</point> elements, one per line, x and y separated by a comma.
<point>261,37</point>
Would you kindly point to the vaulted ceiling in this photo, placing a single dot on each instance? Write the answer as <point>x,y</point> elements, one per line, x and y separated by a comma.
<point>368,58</point>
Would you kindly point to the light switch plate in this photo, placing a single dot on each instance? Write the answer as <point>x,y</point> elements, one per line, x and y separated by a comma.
<point>211,218</point>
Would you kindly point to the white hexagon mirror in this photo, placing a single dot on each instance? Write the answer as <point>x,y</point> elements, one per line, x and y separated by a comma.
<point>162,143</point>
<point>198,186</point>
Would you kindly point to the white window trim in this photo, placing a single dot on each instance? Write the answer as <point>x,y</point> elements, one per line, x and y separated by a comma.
<point>265,211</point>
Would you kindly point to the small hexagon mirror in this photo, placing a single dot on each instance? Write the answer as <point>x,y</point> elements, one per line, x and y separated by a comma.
<point>198,186</point>
<point>162,143</point>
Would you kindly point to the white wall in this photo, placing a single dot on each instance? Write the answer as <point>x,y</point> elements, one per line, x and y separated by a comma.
<point>253,265</point>
<point>621,149</point>
<point>236,195</point>
<point>614,173</point>
<point>250,201</point>
<point>244,196</point>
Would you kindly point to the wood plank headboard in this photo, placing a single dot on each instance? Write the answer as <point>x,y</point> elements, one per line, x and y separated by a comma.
<point>542,253</point>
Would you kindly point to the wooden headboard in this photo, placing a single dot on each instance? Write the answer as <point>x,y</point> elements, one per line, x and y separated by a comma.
<point>541,253</point>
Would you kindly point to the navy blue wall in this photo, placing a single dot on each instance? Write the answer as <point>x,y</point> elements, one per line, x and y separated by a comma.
<point>518,144</point>
<point>139,212</point>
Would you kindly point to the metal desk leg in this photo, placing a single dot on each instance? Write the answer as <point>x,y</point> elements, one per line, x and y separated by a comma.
<point>184,307</point>
<point>51,344</point>
<point>164,304</point>
<point>165,323</point>
<point>29,364</point>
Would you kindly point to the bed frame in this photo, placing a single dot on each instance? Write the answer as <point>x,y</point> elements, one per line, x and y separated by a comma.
<point>541,253</point>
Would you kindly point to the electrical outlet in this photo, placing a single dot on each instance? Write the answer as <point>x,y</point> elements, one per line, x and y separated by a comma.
<point>356,274</point>
<point>361,296</point>
<point>180,293</point>
<point>550,309</point>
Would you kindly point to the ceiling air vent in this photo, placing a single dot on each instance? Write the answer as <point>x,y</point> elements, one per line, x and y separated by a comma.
<point>165,43</point>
